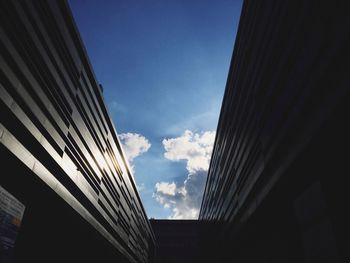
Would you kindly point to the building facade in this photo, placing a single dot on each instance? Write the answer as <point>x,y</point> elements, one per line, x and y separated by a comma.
<point>177,240</point>
<point>62,164</point>
<point>276,187</point>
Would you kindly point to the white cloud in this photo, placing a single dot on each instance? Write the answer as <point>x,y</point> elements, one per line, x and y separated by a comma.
<point>185,198</point>
<point>193,147</point>
<point>134,145</point>
<point>168,194</point>
<point>140,187</point>
<point>166,188</point>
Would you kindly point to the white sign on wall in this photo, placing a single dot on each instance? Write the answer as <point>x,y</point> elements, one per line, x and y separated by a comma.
<point>11,214</point>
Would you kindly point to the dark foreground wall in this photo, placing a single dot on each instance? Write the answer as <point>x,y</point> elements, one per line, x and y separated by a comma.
<point>177,241</point>
<point>276,189</point>
<point>60,155</point>
<point>51,230</point>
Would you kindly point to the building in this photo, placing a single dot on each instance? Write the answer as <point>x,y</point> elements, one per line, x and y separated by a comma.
<point>276,188</point>
<point>67,193</point>
<point>177,240</point>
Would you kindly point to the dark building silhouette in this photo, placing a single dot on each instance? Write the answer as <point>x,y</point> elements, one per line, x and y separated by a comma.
<point>67,193</point>
<point>276,189</point>
<point>177,240</point>
<point>277,184</point>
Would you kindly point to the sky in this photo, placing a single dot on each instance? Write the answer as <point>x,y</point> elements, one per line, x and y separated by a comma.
<point>163,65</point>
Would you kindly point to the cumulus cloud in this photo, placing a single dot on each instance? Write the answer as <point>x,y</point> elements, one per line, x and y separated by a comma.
<point>193,147</point>
<point>166,193</point>
<point>185,198</point>
<point>166,188</point>
<point>134,144</point>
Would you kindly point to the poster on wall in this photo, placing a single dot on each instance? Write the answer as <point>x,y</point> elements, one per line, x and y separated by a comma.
<point>11,214</point>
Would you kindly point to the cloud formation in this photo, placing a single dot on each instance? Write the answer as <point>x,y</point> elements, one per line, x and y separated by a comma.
<point>166,188</point>
<point>193,147</point>
<point>185,198</point>
<point>134,145</point>
<point>167,193</point>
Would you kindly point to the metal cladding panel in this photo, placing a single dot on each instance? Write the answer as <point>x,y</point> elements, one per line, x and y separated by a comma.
<point>53,118</point>
<point>287,75</point>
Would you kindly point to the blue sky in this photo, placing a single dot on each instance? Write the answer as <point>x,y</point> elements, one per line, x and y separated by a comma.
<point>163,66</point>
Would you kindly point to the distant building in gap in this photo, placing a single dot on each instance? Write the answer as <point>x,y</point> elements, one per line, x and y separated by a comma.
<point>177,240</point>
<point>277,186</point>
<point>67,193</point>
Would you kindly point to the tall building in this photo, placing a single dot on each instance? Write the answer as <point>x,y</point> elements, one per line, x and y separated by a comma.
<point>67,192</point>
<point>276,189</point>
